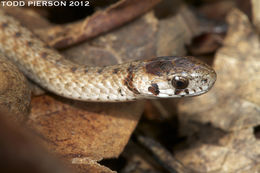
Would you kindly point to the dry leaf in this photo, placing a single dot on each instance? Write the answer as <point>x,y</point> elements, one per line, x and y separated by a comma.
<point>15,94</point>
<point>100,22</point>
<point>175,32</point>
<point>21,151</point>
<point>135,41</point>
<point>232,105</point>
<point>256,14</point>
<point>79,129</point>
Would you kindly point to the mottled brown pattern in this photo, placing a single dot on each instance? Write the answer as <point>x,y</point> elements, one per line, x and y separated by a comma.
<point>154,89</point>
<point>130,69</point>
<point>158,67</point>
<point>100,70</point>
<point>73,69</point>
<point>4,25</point>
<point>29,43</point>
<point>18,34</point>
<point>115,71</point>
<point>58,62</point>
<point>128,81</point>
<point>15,93</point>
<point>47,46</point>
<point>44,55</point>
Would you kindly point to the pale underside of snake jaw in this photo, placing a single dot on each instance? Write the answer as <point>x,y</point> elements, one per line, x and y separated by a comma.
<point>161,77</point>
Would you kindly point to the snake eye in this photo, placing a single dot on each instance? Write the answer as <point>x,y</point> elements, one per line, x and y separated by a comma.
<point>180,82</point>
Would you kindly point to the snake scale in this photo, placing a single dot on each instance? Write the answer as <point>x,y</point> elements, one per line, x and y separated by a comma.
<point>162,77</point>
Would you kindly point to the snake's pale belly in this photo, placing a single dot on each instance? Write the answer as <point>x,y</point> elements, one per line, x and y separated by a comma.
<point>160,77</point>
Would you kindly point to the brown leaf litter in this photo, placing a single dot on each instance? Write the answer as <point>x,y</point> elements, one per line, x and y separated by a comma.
<point>231,107</point>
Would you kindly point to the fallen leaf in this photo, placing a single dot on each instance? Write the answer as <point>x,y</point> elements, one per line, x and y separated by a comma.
<point>79,129</point>
<point>231,106</point>
<point>21,151</point>
<point>177,31</point>
<point>15,94</point>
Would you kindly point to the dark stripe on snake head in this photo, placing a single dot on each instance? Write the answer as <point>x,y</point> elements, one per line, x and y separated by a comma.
<point>128,81</point>
<point>184,62</point>
<point>158,67</point>
<point>154,89</point>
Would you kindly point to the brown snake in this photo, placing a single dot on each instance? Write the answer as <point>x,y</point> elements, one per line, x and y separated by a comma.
<point>162,77</point>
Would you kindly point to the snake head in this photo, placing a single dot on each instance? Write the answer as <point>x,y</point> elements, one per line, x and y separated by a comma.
<point>171,77</point>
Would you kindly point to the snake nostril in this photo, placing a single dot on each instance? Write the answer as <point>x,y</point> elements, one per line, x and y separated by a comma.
<point>204,81</point>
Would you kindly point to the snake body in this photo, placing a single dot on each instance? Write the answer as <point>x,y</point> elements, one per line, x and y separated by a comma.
<point>164,77</point>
